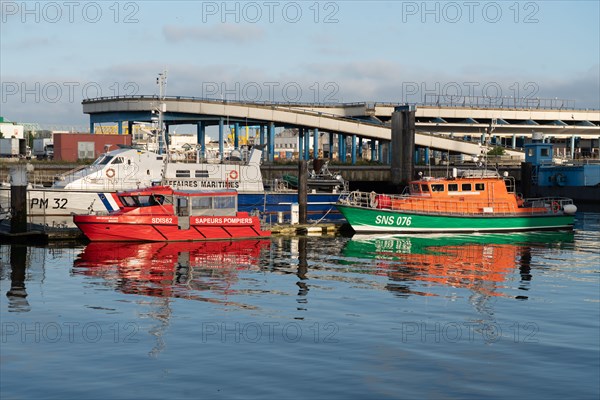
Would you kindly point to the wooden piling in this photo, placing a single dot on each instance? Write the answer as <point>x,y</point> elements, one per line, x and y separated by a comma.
<point>403,144</point>
<point>18,199</point>
<point>302,190</point>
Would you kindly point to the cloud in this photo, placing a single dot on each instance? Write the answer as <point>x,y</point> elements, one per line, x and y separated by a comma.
<point>35,97</point>
<point>31,43</point>
<point>238,33</point>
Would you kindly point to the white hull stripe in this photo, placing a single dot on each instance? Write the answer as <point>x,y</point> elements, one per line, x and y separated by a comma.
<point>373,228</point>
<point>108,201</point>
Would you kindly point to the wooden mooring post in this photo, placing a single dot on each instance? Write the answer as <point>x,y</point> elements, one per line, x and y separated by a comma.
<point>18,198</point>
<point>403,144</point>
<point>302,190</point>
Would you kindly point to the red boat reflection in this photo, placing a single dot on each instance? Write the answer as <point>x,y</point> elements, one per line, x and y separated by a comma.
<point>170,269</point>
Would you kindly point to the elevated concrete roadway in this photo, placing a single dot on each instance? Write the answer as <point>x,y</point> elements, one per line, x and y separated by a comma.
<point>191,110</point>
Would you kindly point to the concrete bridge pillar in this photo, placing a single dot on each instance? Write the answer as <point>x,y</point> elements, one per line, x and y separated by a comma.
<point>353,149</point>
<point>360,146</point>
<point>271,141</point>
<point>306,144</point>
<point>221,129</point>
<point>236,136</point>
<point>403,143</point>
<point>331,145</point>
<point>201,136</point>
<point>514,141</point>
<point>316,144</point>
<point>263,129</point>
<point>373,150</point>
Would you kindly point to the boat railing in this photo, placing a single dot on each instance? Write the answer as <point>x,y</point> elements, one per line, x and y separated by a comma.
<point>277,185</point>
<point>194,155</point>
<point>550,203</point>
<point>409,203</point>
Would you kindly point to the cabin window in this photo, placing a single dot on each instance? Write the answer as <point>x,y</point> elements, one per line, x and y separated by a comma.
<point>479,186</point>
<point>105,160</point>
<point>529,152</point>
<point>182,173</point>
<point>201,174</point>
<point>201,203</point>
<point>544,152</point>
<point>466,187</point>
<point>437,187</point>
<point>144,201</point>
<point>453,187</point>
<point>127,201</point>
<point>414,188</point>
<point>424,188</point>
<point>118,160</point>
<point>225,202</point>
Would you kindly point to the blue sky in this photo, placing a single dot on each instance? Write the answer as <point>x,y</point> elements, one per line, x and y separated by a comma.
<point>53,54</point>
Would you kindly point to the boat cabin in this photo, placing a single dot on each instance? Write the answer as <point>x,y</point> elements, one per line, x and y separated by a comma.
<point>457,188</point>
<point>182,203</point>
<point>470,186</point>
<point>470,193</point>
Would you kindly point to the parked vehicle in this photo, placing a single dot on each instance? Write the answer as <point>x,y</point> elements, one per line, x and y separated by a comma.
<point>43,149</point>
<point>12,147</point>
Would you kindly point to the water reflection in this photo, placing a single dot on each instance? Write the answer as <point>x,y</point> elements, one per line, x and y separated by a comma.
<point>175,269</point>
<point>479,262</point>
<point>17,294</point>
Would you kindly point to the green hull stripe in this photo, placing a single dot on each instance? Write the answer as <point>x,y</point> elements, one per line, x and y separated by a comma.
<point>365,219</point>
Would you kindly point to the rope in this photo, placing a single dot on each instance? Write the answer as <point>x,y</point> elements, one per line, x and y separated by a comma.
<point>324,215</point>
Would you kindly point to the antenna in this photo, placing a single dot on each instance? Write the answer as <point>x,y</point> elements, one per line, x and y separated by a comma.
<point>161,81</point>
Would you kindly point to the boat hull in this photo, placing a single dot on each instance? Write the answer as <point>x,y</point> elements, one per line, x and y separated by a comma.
<point>166,228</point>
<point>370,220</point>
<point>54,207</point>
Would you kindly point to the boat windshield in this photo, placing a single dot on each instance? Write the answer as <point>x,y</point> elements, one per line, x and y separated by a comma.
<point>98,160</point>
<point>103,160</point>
<point>142,201</point>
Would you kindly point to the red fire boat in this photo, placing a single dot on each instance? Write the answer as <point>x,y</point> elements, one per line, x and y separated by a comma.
<point>160,214</point>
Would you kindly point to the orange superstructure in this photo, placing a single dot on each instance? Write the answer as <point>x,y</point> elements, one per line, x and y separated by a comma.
<point>470,194</point>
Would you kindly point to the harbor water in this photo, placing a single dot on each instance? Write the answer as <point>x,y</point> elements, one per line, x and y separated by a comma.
<point>434,316</point>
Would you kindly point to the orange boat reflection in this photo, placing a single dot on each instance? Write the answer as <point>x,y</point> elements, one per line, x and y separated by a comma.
<point>478,262</point>
<point>171,269</point>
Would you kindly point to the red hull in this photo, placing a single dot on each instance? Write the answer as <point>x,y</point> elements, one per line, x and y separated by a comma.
<point>146,228</point>
<point>156,215</point>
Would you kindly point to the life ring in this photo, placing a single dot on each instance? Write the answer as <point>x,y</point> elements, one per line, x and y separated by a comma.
<point>555,207</point>
<point>373,199</point>
<point>233,174</point>
<point>110,173</point>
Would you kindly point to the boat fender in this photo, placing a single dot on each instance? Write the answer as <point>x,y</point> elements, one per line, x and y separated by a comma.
<point>110,173</point>
<point>555,207</point>
<point>373,199</point>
